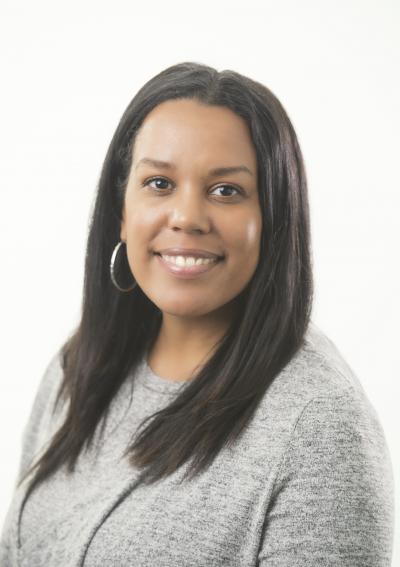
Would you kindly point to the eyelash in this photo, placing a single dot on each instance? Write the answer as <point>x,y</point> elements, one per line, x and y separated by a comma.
<point>239,192</point>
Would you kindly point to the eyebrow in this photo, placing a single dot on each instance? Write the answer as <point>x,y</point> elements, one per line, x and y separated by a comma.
<point>217,171</point>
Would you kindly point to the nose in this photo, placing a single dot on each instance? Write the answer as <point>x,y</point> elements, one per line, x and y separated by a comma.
<point>189,211</point>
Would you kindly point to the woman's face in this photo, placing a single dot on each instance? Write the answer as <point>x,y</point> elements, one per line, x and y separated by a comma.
<point>186,205</point>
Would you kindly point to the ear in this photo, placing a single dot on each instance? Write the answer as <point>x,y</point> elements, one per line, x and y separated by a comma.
<point>122,233</point>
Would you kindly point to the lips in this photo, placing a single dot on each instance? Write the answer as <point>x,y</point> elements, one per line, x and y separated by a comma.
<point>186,271</point>
<point>192,252</point>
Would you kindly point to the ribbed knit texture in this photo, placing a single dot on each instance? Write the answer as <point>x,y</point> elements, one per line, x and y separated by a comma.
<point>310,483</point>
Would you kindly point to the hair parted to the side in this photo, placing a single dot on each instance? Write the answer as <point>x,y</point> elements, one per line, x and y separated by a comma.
<point>116,328</point>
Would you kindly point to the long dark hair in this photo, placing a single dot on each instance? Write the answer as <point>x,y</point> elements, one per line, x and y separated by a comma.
<point>116,328</point>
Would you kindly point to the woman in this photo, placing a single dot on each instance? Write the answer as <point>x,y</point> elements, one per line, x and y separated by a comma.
<point>197,416</point>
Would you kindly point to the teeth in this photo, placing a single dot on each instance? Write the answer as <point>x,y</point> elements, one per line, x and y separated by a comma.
<point>188,260</point>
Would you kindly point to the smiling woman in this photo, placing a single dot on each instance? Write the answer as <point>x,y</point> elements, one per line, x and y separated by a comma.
<point>197,416</point>
<point>198,302</point>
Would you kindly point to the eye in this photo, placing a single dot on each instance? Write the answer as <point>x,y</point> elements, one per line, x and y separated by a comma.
<point>229,187</point>
<point>162,180</point>
<point>148,181</point>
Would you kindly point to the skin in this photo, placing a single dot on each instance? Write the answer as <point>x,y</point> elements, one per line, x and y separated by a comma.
<point>191,209</point>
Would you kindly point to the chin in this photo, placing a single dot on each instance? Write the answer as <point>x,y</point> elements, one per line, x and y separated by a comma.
<point>185,308</point>
<point>184,311</point>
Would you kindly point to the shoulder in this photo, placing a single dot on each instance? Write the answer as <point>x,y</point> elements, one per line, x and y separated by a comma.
<point>317,369</point>
<point>317,398</point>
<point>48,388</point>
<point>43,418</point>
<point>342,428</point>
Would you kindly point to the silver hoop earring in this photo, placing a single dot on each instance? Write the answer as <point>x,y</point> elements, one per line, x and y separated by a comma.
<point>112,264</point>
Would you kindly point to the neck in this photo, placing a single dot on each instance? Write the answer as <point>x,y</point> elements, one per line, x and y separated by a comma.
<point>184,343</point>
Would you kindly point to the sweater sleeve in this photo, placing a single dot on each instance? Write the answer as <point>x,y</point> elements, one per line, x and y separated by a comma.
<point>37,428</point>
<point>333,500</point>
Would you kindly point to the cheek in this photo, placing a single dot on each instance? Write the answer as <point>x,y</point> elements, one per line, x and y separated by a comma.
<point>245,237</point>
<point>138,233</point>
<point>141,225</point>
<point>253,233</point>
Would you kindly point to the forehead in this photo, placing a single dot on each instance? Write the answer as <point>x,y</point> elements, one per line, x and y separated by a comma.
<point>178,130</point>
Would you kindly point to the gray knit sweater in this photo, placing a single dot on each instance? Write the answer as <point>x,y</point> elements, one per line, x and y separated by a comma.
<point>310,483</point>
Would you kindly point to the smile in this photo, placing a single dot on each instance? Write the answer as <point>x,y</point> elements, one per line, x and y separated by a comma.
<point>186,266</point>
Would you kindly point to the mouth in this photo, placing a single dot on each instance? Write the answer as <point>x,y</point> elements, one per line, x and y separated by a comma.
<point>186,266</point>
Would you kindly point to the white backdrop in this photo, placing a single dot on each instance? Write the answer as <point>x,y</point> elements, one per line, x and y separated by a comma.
<point>68,70</point>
